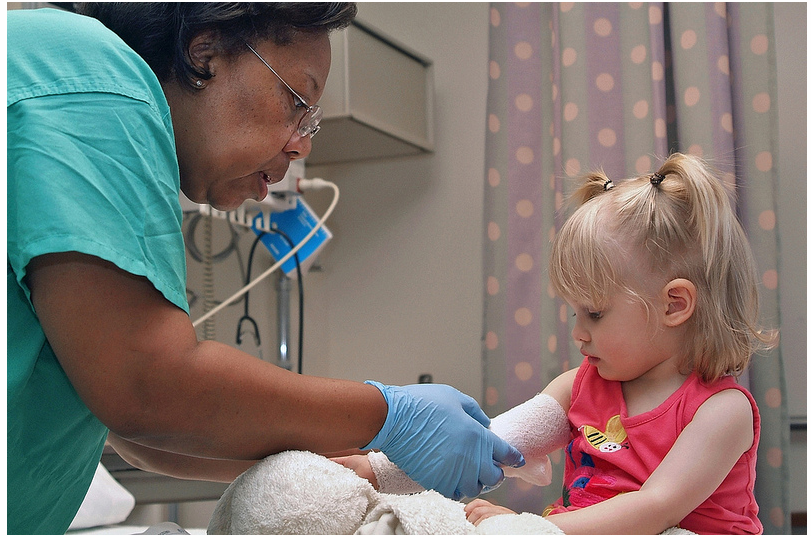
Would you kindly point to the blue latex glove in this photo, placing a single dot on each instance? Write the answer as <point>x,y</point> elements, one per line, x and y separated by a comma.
<point>439,437</point>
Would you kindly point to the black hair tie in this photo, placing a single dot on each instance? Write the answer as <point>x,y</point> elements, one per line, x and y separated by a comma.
<point>656,179</point>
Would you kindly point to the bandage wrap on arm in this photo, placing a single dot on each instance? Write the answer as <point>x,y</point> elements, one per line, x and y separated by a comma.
<point>536,427</point>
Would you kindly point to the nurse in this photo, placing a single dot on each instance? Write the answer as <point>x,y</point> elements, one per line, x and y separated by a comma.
<point>107,122</point>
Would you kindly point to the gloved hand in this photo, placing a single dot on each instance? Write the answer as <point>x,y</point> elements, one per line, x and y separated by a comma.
<point>439,437</point>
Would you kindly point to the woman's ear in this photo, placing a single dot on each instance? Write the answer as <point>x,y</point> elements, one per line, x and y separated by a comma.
<point>202,49</point>
<point>680,301</point>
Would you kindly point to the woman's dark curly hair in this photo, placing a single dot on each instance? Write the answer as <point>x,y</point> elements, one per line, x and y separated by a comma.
<point>160,32</point>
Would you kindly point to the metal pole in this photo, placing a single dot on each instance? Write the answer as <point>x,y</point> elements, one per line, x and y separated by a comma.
<point>283,319</point>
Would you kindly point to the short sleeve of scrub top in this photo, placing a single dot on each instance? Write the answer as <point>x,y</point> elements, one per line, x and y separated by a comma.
<point>91,168</point>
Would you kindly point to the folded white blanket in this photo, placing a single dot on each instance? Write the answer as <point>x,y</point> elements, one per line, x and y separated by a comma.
<point>294,492</point>
<point>298,492</point>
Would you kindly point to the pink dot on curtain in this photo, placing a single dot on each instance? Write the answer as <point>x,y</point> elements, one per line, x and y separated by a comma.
<point>759,44</point>
<point>523,50</point>
<point>570,111</point>
<point>603,27</point>
<point>525,155</point>
<point>776,516</point>
<point>568,57</point>
<point>773,397</point>
<point>641,109</point>
<point>491,396</point>
<point>524,102</point>
<point>770,279</point>
<point>493,231</point>
<point>493,123</point>
<point>607,137</point>
<point>491,340</point>
<point>495,17</point>
<point>688,39</point>
<point>767,220</point>
<point>763,161</point>
<point>774,456</point>
<point>639,53</point>
<point>523,317</point>
<point>524,262</point>
<point>657,71</point>
<point>654,15</point>
<point>493,285</point>
<point>493,177</point>
<point>525,208</point>
<point>761,103</point>
<point>523,371</point>
<point>726,122</point>
<point>691,96</point>
<point>643,164</point>
<point>723,64</point>
<point>495,70</point>
<point>604,82</point>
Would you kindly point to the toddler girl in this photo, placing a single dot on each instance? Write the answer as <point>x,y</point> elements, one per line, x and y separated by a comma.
<point>663,286</point>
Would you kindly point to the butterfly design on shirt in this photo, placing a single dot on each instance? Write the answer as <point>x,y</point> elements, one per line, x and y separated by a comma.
<point>609,441</point>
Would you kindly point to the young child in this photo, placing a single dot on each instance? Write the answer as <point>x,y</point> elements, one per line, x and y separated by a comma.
<point>664,290</point>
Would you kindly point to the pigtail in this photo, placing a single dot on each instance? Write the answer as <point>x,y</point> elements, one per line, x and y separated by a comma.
<point>715,255</point>
<point>593,184</point>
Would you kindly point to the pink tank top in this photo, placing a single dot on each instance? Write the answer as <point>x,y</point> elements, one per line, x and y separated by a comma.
<point>611,453</point>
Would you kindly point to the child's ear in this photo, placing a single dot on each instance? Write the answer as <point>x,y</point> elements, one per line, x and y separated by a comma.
<point>680,300</point>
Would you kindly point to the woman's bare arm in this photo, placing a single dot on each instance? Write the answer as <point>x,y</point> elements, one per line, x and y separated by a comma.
<point>135,360</point>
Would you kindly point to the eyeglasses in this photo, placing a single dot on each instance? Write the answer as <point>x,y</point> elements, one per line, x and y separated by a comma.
<point>309,124</point>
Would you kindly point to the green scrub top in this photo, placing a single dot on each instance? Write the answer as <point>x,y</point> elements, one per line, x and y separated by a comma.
<point>91,168</point>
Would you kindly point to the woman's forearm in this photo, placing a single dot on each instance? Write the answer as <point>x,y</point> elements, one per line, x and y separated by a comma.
<point>224,403</point>
<point>178,465</point>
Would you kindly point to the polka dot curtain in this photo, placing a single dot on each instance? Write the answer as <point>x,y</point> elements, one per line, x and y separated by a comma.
<point>576,87</point>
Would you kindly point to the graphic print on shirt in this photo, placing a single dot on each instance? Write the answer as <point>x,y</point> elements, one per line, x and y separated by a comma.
<point>609,441</point>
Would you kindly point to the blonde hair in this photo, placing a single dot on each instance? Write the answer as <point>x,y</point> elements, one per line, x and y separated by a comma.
<point>677,223</point>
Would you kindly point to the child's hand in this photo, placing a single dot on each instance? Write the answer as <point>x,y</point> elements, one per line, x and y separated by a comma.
<point>478,510</point>
<point>360,464</point>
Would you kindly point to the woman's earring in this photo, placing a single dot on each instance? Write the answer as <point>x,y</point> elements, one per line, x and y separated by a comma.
<point>199,83</point>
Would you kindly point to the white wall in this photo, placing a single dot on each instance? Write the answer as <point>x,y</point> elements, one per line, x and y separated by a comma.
<point>401,289</point>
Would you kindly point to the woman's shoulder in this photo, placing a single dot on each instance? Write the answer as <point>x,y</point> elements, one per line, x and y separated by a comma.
<point>52,52</point>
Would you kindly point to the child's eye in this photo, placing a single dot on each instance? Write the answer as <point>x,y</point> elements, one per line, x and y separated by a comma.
<point>593,315</point>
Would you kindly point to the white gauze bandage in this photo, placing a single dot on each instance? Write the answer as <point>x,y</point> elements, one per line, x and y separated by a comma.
<point>536,428</point>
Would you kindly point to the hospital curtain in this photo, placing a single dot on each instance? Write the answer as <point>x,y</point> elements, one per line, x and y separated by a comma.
<point>575,87</point>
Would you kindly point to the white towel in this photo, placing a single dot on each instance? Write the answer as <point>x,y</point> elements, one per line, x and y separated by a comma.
<point>424,513</point>
<point>294,492</point>
<point>298,492</point>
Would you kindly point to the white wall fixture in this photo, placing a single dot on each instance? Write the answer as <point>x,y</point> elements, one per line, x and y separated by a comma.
<point>378,101</point>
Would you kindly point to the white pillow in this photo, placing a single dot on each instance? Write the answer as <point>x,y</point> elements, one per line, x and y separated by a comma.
<point>107,502</point>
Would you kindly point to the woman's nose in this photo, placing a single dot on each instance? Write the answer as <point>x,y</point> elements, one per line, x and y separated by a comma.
<point>298,146</point>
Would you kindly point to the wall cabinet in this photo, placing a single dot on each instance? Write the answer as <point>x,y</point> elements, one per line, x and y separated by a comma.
<point>378,101</point>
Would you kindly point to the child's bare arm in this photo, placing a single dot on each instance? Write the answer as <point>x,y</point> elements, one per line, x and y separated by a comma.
<point>360,464</point>
<point>478,510</point>
<point>701,458</point>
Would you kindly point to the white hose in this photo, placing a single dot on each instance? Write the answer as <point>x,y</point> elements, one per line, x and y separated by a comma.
<point>304,184</point>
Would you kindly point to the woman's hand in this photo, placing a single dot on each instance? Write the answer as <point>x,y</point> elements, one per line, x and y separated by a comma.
<point>478,510</point>
<point>360,464</point>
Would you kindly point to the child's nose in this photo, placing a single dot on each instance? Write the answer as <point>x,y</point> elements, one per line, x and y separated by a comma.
<point>579,334</point>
